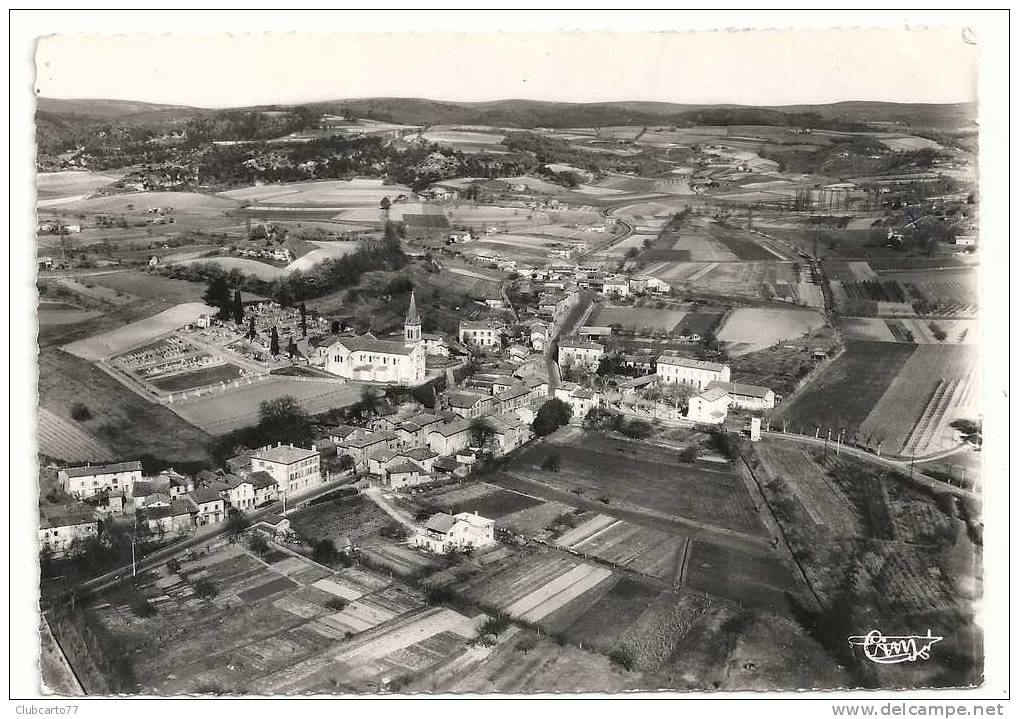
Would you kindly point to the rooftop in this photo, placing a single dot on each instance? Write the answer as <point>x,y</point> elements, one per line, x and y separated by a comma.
<point>94,469</point>
<point>440,522</point>
<point>738,388</point>
<point>713,394</point>
<point>575,343</point>
<point>284,454</point>
<point>451,428</point>
<point>370,343</point>
<point>677,361</point>
<point>464,400</point>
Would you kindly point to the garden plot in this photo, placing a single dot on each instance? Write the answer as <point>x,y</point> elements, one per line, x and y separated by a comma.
<point>760,580</point>
<point>106,345</point>
<point>825,502</point>
<point>532,521</point>
<point>748,329</point>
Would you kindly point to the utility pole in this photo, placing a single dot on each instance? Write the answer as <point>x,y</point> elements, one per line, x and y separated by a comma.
<point>134,565</point>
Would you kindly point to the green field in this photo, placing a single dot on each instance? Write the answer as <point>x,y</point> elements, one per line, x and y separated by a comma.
<point>199,378</point>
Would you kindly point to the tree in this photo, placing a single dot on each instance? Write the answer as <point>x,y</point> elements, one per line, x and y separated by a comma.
<point>291,348</point>
<point>385,204</point>
<point>552,415</point>
<point>236,523</point>
<point>238,308</point>
<point>551,463</point>
<point>217,294</point>
<point>274,342</point>
<point>251,328</point>
<point>304,320</point>
<point>325,552</point>
<point>481,430</point>
<point>690,454</point>
<point>205,589</point>
<point>258,544</point>
<point>80,412</point>
<point>283,420</point>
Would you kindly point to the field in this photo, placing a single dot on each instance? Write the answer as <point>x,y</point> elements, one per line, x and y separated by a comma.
<point>748,329</point>
<point>916,331</point>
<point>465,140</point>
<point>935,386</point>
<point>233,408</point>
<point>353,518</point>
<point>151,287</point>
<point>327,193</point>
<point>244,265</point>
<point>70,185</point>
<point>743,244</point>
<point>49,316</point>
<point>63,439</point>
<point>635,318</point>
<point>114,342</point>
<point>126,424</point>
<point>639,477</point>
<point>846,391</point>
<point>756,280</point>
<point>485,499</point>
<point>273,629</point>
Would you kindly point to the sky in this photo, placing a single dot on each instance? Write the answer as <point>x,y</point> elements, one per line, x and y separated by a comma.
<point>760,67</point>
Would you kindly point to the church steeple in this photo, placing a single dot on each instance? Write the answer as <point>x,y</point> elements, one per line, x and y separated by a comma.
<point>412,325</point>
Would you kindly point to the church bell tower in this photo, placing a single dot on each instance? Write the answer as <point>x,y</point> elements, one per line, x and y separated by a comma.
<point>412,325</point>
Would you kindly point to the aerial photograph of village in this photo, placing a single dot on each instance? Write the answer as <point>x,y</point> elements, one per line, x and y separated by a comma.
<point>400,395</point>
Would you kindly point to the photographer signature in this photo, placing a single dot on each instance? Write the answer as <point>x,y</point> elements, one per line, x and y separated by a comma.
<point>895,649</point>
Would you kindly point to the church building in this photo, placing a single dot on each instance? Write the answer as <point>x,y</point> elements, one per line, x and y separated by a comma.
<point>370,359</point>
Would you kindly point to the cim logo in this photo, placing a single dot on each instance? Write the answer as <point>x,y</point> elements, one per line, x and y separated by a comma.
<point>895,649</point>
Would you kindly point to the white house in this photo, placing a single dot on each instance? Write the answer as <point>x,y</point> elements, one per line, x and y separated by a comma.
<point>484,333</point>
<point>94,479</point>
<point>449,437</point>
<point>444,532</point>
<point>371,359</point>
<point>539,335</point>
<point>580,352</point>
<point>295,469</point>
<point>747,396</point>
<point>59,527</point>
<point>709,407</point>
<point>210,507</point>
<point>696,373</point>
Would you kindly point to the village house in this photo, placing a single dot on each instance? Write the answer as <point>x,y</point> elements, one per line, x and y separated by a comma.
<point>60,527</point>
<point>295,469</point>
<point>708,407</point>
<point>412,431</point>
<point>362,445</point>
<point>616,285</point>
<point>508,432</point>
<point>238,492</point>
<point>435,345</point>
<point>370,359</point>
<point>89,480</point>
<point>483,333</point>
<point>469,404</point>
<point>580,399</point>
<point>538,388</point>
<point>695,373</point>
<point>444,532</point>
<point>581,353</point>
<point>518,354</point>
<point>539,335</point>
<point>175,520</point>
<point>512,399</point>
<point>265,486</point>
<point>406,474</point>
<point>275,526</point>
<point>747,396</point>
<point>449,437</point>
<point>210,508</point>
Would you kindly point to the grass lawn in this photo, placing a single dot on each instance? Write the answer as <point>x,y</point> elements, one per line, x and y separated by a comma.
<point>199,378</point>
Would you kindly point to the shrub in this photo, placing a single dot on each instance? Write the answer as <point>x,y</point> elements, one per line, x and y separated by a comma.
<point>622,658</point>
<point>206,589</point>
<point>551,463</point>
<point>174,566</point>
<point>80,412</point>
<point>552,415</point>
<point>337,604</point>
<point>494,625</point>
<point>527,643</point>
<point>258,543</point>
<point>325,552</point>
<point>394,530</point>
<point>144,608</point>
<point>690,454</point>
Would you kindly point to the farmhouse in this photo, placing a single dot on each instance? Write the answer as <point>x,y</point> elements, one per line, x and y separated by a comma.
<point>175,520</point>
<point>508,432</point>
<point>580,352</point>
<point>617,285</point>
<point>483,333</point>
<point>512,399</point>
<point>709,407</point>
<point>406,474</point>
<point>444,532</point>
<point>89,480</point>
<point>371,359</point>
<point>449,437</point>
<point>698,374</point>
<point>274,525</point>
<point>747,396</point>
<point>412,431</point>
<point>295,469</point>
<point>59,527</point>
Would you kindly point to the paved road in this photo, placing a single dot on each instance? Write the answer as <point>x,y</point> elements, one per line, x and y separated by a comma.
<point>899,465</point>
<point>203,535</point>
